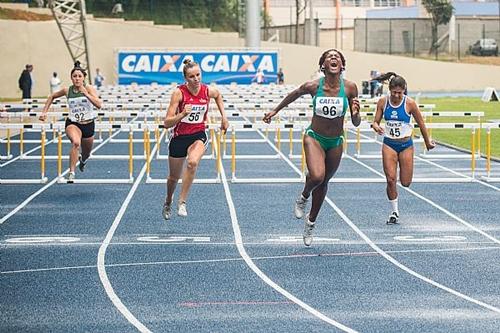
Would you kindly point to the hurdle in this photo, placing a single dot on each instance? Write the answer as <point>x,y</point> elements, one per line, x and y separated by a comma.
<point>43,179</point>
<point>488,178</point>
<point>216,142</point>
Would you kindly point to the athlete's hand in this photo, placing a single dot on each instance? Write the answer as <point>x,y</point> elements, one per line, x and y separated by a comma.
<point>224,124</point>
<point>356,106</point>
<point>43,116</point>
<point>187,110</point>
<point>268,116</point>
<point>378,129</point>
<point>430,145</point>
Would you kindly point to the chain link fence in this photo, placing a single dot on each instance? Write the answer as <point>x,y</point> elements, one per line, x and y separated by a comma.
<point>413,37</point>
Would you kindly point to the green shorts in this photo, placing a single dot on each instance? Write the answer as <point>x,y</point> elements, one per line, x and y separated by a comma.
<point>325,142</point>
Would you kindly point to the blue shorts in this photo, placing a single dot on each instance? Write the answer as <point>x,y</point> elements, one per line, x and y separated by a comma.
<point>398,145</point>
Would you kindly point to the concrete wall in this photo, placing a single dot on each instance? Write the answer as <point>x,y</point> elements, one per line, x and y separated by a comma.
<point>41,44</point>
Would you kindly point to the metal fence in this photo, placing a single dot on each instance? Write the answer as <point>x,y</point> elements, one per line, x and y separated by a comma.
<point>414,36</point>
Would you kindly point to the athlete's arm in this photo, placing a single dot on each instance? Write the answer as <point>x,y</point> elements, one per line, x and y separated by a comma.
<point>215,94</point>
<point>92,95</point>
<point>172,118</point>
<point>413,109</point>
<point>309,87</point>
<point>46,107</point>
<point>378,116</point>
<point>352,97</point>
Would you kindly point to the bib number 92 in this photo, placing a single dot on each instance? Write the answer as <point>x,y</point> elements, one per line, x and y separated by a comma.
<point>329,111</point>
<point>79,116</point>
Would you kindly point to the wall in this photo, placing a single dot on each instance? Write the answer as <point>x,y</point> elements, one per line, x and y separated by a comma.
<point>41,44</point>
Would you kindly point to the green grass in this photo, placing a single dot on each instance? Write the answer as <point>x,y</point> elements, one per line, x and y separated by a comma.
<point>462,138</point>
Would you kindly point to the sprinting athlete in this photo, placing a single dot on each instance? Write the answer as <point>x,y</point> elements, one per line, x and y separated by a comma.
<point>332,96</point>
<point>80,125</point>
<point>397,109</point>
<point>187,114</point>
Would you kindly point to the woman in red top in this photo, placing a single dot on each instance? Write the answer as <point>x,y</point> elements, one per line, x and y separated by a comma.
<point>187,113</point>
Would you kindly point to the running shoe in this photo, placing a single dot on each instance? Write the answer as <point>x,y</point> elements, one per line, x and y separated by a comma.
<point>393,218</point>
<point>308,232</point>
<point>182,211</point>
<point>166,212</point>
<point>71,178</point>
<point>82,164</point>
<point>300,207</point>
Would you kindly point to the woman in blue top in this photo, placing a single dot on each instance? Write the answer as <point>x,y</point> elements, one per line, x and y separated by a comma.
<point>397,109</point>
<point>332,95</point>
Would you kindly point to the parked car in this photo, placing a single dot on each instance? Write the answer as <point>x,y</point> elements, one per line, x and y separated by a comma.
<point>486,46</point>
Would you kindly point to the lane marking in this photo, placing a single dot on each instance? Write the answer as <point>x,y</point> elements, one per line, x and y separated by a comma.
<point>101,256</point>
<point>40,191</point>
<point>42,239</point>
<point>241,249</point>
<point>173,239</point>
<point>438,239</point>
<point>403,267</point>
<point>397,263</point>
<point>432,203</point>
<point>290,256</point>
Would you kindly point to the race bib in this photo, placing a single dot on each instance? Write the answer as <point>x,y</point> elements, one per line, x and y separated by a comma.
<point>80,109</point>
<point>329,107</point>
<point>397,129</point>
<point>197,114</point>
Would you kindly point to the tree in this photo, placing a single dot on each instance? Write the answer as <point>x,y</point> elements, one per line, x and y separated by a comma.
<point>440,12</point>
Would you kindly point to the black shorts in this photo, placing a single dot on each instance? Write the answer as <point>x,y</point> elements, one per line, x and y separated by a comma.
<point>179,145</point>
<point>87,129</point>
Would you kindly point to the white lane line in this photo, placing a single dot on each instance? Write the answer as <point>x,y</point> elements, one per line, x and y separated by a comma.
<point>260,274</point>
<point>101,256</point>
<point>403,267</point>
<point>397,263</point>
<point>432,203</point>
<point>40,191</point>
<point>205,261</point>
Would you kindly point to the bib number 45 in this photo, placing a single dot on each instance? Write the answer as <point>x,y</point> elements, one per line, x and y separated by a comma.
<point>395,132</point>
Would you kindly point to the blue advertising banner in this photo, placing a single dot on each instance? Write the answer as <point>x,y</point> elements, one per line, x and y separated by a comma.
<point>145,67</point>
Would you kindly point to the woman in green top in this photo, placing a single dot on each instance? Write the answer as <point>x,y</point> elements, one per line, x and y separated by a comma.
<point>332,95</point>
<point>80,124</point>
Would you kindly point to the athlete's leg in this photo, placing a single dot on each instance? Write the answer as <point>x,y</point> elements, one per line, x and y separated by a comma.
<point>195,153</point>
<point>315,161</point>
<point>75,136</point>
<point>332,162</point>
<point>390,163</point>
<point>406,166</point>
<point>175,165</point>
<point>87,144</point>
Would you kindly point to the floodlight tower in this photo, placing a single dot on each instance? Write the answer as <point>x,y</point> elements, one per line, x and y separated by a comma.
<point>70,18</point>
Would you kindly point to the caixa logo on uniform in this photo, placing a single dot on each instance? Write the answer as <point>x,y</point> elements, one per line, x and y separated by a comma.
<point>209,62</point>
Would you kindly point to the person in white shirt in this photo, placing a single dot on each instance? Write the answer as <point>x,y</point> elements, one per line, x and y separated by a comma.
<point>55,83</point>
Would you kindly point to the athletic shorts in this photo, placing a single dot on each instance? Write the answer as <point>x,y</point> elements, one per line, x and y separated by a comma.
<point>325,142</point>
<point>179,145</point>
<point>87,129</point>
<point>398,145</point>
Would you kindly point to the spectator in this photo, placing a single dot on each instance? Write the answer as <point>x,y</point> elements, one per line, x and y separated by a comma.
<point>259,76</point>
<point>375,86</point>
<point>26,81</point>
<point>281,77</point>
<point>55,83</point>
<point>99,78</point>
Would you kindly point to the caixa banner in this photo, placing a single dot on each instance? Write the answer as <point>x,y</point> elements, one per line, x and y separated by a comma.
<point>145,67</point>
